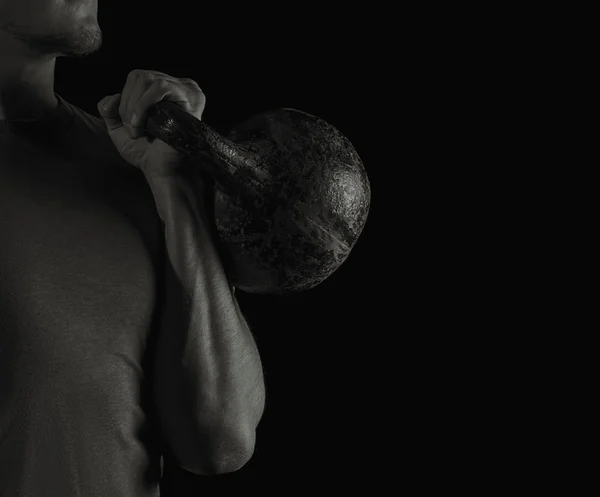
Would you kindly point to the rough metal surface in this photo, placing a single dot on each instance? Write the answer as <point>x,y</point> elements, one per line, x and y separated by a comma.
<point>292,194</point>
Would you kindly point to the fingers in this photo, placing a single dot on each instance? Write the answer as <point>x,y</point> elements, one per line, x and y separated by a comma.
<point>135,87</point>
<point>108,108</point>
<point>158,91</point>
<point>143,89</point>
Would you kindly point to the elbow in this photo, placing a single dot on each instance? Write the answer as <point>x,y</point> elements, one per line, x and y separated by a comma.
<point>222,451</point>
<point>230,458</point>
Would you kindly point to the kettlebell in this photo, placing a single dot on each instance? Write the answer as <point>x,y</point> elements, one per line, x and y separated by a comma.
<point>292,195</point>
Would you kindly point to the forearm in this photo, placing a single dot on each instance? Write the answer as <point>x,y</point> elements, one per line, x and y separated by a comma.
<point>208,365</point>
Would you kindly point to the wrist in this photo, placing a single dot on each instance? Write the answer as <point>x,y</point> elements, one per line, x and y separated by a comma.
<point>184,182</point>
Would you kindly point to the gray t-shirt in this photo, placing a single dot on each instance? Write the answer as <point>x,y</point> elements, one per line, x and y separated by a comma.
<point>80,258</point>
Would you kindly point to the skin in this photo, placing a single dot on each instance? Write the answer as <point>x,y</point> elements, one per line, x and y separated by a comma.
<point>33,33</point>
<point>222,366</point>
<point>126,112</point>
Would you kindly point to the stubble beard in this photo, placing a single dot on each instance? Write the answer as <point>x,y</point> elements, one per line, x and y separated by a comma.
<point>86,39</point>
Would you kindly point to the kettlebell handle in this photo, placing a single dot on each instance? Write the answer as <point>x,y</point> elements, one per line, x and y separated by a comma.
<point>230,165</point>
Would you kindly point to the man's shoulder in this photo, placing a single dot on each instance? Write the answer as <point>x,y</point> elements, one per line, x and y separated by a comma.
<point>89,136</point>
<point>80,118</point>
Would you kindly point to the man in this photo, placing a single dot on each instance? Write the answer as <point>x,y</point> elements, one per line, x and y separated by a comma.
<point>121,340</point>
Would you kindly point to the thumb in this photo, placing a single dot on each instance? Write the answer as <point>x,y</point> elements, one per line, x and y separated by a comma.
<point>108,108</point>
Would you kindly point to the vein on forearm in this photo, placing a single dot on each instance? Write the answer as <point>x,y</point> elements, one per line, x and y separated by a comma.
<point>217,354</point>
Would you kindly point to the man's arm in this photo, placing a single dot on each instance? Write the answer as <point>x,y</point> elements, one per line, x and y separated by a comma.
<point>209,385</point>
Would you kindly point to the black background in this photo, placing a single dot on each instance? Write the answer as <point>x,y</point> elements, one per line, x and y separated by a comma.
<point>324,412</point>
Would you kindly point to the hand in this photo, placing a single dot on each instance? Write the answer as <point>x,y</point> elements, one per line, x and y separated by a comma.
<point>125,116</point>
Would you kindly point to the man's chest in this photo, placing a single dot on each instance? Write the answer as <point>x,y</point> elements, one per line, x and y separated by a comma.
<point>79,253</point>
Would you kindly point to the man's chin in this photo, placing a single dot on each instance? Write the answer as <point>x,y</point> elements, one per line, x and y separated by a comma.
<point>86,41</point>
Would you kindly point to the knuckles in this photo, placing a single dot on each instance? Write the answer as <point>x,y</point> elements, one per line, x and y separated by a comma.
<point>158,83</point>
<point>161,84</point>
<point>191,83</point>
<point>140,73</point>
<point>163,79</point>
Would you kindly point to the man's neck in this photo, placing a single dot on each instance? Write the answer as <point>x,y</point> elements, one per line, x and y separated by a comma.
<point>26,89</point>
